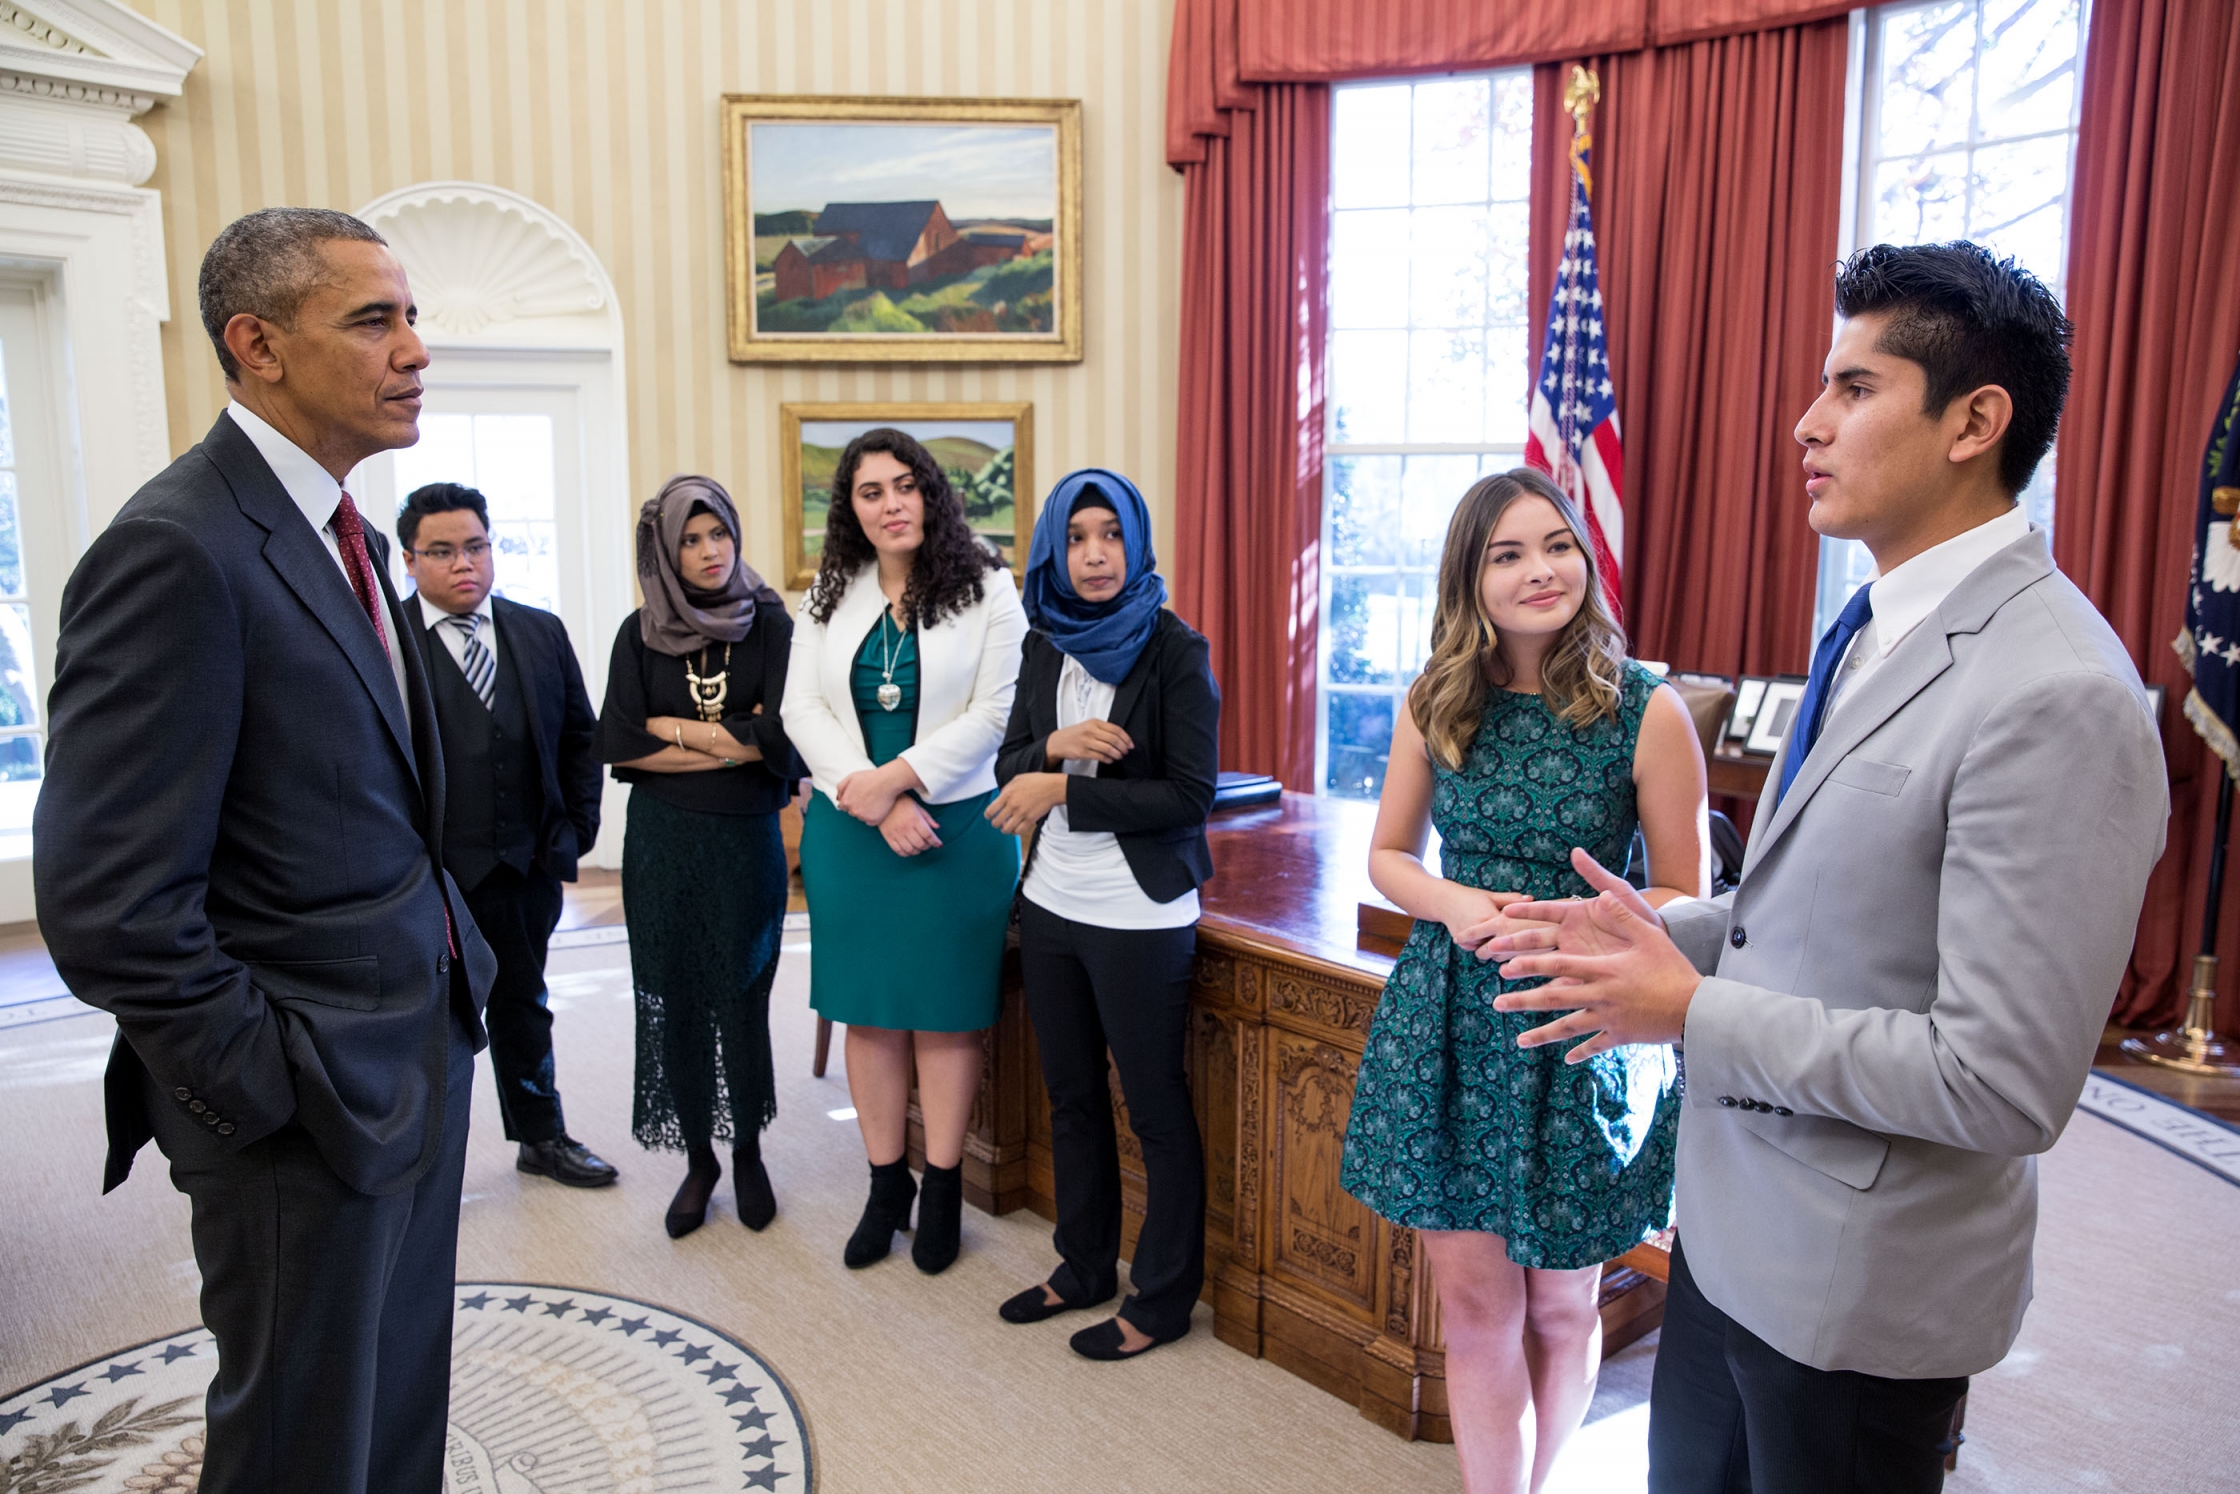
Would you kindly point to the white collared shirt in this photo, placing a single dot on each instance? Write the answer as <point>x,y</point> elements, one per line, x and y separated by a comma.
<point>1904,599</point>
<point>318,495</point>
<point>453,639</point>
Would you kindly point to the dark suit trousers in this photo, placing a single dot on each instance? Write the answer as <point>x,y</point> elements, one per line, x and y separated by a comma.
<point>1731,1414</point>
<point>517,913</point>
<point>1090,989</point>
<point>332,1308</point>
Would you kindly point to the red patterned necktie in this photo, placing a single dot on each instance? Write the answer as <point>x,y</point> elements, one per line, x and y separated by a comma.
<point>350,534</point>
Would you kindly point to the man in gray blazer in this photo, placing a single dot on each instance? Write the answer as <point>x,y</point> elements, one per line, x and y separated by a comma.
<point>1896,1009</point>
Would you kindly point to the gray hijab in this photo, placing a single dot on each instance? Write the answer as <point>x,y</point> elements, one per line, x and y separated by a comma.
<point>678,619</point>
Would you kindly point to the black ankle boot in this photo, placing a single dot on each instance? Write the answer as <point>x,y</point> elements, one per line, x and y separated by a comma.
<point>887,1211</point>
<point>750,1184</point>
<point>689,1209</point>
<point>940,1211</point>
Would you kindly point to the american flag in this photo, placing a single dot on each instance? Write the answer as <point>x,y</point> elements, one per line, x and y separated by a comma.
<point>1573,432</point>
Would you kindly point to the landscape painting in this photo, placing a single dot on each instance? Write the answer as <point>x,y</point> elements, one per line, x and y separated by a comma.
<point>899,229</point>
<point>986,450</point>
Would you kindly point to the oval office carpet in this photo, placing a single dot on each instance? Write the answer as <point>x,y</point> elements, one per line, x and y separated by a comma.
<point>2121,1380</point>
<point>552,1390</point>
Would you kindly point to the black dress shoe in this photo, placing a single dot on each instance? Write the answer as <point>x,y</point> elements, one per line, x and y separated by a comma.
<point>940,1219</point>
<point>1032,1306</point>
<point>1103,1341</point>
<point>565,1160</point>
<point>892,1191</point>
<point>751,1185</point>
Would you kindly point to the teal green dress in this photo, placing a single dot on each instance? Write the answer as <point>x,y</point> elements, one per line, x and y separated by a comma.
<point>1455,1127</point>
<point>908,942</point>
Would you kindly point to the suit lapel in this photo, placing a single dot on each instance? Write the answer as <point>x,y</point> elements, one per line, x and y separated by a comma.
<point>1132,685</point>
<point>514,655</point>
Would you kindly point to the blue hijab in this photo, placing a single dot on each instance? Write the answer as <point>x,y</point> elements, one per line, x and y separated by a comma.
<point>1105,636</point>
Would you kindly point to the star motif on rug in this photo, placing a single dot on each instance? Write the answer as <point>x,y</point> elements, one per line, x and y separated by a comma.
<point>597,1316</point>
<point>694,1353</point>
<point>666,1337</point>
<point>12,1420</point>
<point>630,1326</point>
<point>715,1372</point>
<point>476,1303</point>
<point>519,1304</point>
<point>559,1309</point>
<point>760,1447</point>
<point>755,1420</point>
<point>765,1478</point>
<point>738,1393</point>
<point>62,1395</point>
<point>178,1351</point>
<point>116,1372</point>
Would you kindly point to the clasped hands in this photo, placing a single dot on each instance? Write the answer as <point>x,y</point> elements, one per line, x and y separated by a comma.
<point>1612,968</point>
<point>1030,797</point>
<point>880,797</point>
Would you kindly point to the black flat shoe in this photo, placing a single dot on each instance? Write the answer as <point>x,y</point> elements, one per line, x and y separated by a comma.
<point>689,1209</point>
<point>1031,1306</point>
<point>566,1160</point>
<point>1103,1341</point>
<point>757,1204</point>
<point>888,1210</point>
<point>940,1219</point>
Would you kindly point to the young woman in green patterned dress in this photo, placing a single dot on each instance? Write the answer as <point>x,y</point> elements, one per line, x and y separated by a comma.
<point>1530,732</point>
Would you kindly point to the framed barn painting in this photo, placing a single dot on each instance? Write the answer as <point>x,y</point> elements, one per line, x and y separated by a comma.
<point>902,230</point>
<point>987,450</point>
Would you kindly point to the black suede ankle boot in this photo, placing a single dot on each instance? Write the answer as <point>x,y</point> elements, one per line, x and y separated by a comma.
<point>940,1213</point>
<point>887,1211</point>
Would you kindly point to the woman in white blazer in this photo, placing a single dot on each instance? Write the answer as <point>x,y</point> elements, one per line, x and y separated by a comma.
<point>899,687</point>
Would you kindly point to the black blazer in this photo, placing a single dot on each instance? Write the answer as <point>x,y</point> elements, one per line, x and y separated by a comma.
<point>238,848</point>
<point>1156,798</point>
<point>533,646</point>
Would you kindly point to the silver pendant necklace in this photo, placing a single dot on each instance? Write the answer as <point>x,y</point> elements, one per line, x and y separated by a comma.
<point>890,693</point>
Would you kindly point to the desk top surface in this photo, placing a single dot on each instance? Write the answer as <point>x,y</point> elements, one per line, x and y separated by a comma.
<point>1292,875</point>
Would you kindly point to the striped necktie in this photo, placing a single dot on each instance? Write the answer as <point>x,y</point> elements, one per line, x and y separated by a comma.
<point>481,670</point>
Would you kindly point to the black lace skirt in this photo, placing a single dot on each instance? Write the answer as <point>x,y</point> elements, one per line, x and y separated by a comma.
<point>705,897</point>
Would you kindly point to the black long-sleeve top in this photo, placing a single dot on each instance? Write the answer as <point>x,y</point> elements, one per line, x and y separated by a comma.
<point>643,683</point>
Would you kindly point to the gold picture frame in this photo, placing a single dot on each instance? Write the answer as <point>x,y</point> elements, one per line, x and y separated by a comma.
<point>954,432</point>
<point>852,281</point>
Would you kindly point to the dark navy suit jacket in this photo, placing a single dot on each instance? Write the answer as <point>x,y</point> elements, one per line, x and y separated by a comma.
<point>238,847</point>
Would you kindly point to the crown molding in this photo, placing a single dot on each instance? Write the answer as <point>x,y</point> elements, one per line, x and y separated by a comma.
<point>94,52</point>
<point>481,258</point>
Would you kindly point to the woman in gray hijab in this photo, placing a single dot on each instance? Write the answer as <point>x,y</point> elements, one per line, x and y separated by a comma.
<point>691,723</point>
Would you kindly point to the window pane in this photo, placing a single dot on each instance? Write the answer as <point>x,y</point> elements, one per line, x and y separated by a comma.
<point>1928,77</point>
<point>11,539</point>
<point>1368,386</point>
<point>1508,383</point>
<point>1922,201</point>
<point>19,684</point>
<point>2029,66</point>
<point>1363,628</point>
<point>1446,385</point>
<point>1450,156</point>
<point>444,453</point>
<point>1369,141</point>
<point>2019,192</point>
<point>1508,264</point>
<point>1364,510</point>
<point>1512,136</point>
<point>1430,487</point>
<point>1369,269</point>
<point>1360,727</point>
<point>1448,249</point>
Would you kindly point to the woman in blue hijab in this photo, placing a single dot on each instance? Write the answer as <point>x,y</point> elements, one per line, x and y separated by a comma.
<point>1112,750</point>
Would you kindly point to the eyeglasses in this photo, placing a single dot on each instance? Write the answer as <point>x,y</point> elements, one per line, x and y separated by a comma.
<point>445,554</point>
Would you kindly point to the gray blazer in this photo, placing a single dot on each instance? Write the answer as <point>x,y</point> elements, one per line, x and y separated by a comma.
<point>1908,986</point>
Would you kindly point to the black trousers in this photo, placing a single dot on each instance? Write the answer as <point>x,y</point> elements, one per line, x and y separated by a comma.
<point>1091,989</point>
<point>1731,1414</point>
<point>332,1308</point>
<point>517,912</point>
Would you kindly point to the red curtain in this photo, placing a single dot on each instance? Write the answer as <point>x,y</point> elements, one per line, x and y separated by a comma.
<point>2154,290</point>
<point>1715,212</point>
<point>1248,470</point>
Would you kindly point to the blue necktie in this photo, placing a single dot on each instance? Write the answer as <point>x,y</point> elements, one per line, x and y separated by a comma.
<point>1805,729</point>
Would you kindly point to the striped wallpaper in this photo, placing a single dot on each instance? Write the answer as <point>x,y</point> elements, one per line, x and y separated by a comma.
<point>605,111</point>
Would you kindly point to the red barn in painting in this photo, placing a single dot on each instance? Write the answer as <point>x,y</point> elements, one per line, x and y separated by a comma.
<point>889,246</point>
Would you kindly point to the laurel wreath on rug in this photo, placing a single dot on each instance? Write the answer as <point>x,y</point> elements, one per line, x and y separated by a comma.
<point>67,1459</point>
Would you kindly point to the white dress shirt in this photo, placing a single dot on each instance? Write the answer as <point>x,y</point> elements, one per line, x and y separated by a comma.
<point>1083,874</point>
<point>318,495</point>
<point>1904,599</point>
<point>453,639</point>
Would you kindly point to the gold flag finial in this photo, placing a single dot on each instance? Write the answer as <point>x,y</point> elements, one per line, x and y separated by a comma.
<point>1580,95</point>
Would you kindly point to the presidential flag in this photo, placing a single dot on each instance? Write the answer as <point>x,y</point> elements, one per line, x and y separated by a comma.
<point>2210,645</point>
<point>1573,432</point>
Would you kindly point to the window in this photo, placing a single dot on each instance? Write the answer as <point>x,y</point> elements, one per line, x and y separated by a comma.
<point>1430,375</point>
<point>21,740</point>
<point>508,459</point>
<point>1968,130</point>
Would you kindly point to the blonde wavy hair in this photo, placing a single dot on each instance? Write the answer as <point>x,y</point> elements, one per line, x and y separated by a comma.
<point>1583,676</point>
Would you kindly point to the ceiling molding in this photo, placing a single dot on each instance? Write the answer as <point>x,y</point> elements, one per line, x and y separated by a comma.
<point>95,52</point>
<point>480,258</point>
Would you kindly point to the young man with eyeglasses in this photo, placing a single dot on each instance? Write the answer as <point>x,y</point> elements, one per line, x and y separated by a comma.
<point>524,795</point>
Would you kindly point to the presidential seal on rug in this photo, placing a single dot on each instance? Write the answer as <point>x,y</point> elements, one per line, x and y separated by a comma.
<point>552,1388</point>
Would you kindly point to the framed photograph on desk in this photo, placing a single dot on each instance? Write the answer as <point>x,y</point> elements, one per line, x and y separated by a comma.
<point>1749,693</point>
<point>1777,708</point>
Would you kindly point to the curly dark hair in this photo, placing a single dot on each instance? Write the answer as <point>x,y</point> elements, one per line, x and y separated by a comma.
<point>952,562</point>
<point>1970,318</point>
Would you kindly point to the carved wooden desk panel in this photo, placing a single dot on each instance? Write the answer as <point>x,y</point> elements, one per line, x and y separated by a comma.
<point>1297,1271</point>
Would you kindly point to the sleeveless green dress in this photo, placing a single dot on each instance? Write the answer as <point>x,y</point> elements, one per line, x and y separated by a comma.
<point>908,942</point>
<point>1455,1127</point>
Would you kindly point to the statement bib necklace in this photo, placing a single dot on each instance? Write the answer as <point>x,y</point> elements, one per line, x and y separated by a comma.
<point>890,693</point>
<point>708,690</point>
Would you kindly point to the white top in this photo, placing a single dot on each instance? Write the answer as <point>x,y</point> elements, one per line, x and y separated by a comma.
<point>1904,599</point>
<point>968,669</point>
<point>453,639</point>
<point>1083,874</point>
<point>318,495</point>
